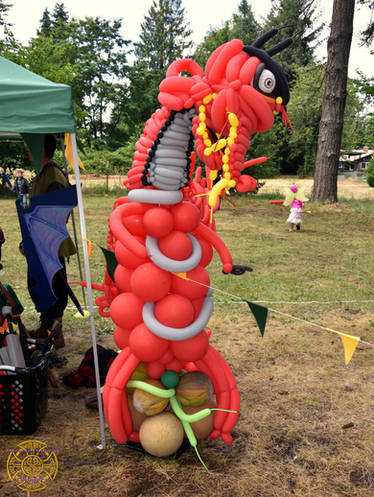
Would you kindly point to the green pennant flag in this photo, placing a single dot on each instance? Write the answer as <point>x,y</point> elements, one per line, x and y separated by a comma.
<point>111,261</point>
<point>260,313</point>
<point>35,142</point>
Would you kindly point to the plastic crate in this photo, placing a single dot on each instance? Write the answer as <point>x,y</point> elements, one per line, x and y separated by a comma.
<point>24,398</point>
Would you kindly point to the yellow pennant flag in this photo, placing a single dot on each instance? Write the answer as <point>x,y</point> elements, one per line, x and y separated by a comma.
<point>69,152</point>
<point>349,343</point>
<point>182,275</point>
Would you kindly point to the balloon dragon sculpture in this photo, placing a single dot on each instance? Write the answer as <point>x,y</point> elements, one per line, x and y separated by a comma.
<point>163,234</point>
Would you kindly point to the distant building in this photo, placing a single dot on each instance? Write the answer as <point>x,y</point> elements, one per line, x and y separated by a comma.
<point>355,160</point>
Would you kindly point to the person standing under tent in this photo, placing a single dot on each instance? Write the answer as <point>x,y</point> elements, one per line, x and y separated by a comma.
<point>51,177</point>
<point>21,187</point>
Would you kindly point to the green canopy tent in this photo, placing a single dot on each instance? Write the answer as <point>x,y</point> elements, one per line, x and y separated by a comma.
<point>33,106</point>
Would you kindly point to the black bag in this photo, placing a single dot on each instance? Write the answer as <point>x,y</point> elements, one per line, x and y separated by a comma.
<point>85,374</point>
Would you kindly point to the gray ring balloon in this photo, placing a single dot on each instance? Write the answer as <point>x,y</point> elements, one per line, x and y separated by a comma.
<point>177,334</point>
<point>172,265</point>
<point>156,196</point>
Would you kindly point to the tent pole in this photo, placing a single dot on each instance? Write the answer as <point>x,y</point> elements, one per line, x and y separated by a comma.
<point>89,288</point>
<point>74,226</point>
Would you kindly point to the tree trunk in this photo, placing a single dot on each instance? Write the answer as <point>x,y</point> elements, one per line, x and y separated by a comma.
<point>331,124</point>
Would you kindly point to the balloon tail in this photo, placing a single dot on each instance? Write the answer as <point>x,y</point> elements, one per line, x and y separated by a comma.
<point>202,462</point>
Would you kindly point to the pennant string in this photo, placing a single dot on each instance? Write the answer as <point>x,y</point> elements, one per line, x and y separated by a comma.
<point>240,299</point>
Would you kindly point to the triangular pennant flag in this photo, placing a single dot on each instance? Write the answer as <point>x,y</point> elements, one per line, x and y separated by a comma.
<point>69,152</point>
<point>181,275</point>
<point>260,313</point>
<point>35,142</point>
<point>111,261</point>
<point>349,343</point>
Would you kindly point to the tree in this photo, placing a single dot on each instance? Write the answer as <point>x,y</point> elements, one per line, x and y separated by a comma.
<point>334,98</point>
<point>7,41</point>
<point>242,25</point>
<point>296,19</point>
<point>370,173</point>
<point>164,35</point>
<point>163,39</point>
<point>368,33</point>
<point>213,39</point>
<point>89,55</point>
<point>60,15</point>
<point>45,23</point>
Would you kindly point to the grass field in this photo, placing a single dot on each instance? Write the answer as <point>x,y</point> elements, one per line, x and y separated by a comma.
<point>306,424</point>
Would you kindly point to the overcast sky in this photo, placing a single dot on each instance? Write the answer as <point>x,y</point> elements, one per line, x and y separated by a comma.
<point>25,16</point>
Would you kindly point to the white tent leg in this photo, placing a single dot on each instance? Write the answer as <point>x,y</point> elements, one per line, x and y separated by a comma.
<point>89,289</point>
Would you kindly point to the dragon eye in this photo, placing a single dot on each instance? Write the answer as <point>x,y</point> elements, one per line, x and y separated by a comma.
<point>266,81</point>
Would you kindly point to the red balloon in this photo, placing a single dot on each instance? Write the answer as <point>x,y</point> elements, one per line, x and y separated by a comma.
<point>246,184</point>
<point>145,345</point>
<point>121,337</point>
<point>126,258</point>
<point>174,310</point>
<point>150,283</point>
<point>167,357</point>
<point>192,349</point>
<point>197,304</point>
<point>126,310</point>
<point>174,365</point>
<point>158,222</point>
<point>206,252</point>
<point>190,289</point>
<point>186,216</point>
<point>122,277</point>
<point>134,224</point>
<point>155,369</point>
<point>176,245</point>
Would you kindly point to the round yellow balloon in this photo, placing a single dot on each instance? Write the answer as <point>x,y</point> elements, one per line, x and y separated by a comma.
<point>161,435</point>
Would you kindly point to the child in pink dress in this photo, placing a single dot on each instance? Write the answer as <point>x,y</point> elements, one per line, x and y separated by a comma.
<point>297,200</point>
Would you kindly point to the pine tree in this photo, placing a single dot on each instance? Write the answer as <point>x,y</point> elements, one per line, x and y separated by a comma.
<point>60,15</point>
<point>242,25</point>
<point>164,35</point>
<point>7,40</point>
<point>45,23</point>
<point>245,26</point>
<point>368,33</point>
<point>296,19</point>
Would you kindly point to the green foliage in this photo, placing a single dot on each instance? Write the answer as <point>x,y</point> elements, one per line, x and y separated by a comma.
<point>353,131</point>
<point>370,173</point>
<point>163,39</point>
<point>7,40</point>
<point>242,25</point>
<point>296,19</point>
<point>368,130</point>
<point>305,110</point>
<point>164,35</point>
<point>213,39</point>
<point>13,155</point>
<point>368,33</point>
<point>87,54</point>
<point>107,162</point>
